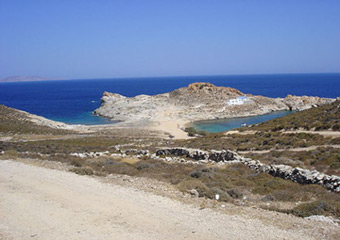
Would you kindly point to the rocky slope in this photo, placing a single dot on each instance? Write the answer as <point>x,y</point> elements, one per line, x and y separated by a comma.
<point>198,101</point>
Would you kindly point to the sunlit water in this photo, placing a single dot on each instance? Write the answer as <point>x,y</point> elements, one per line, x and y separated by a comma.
<point>232,123</point>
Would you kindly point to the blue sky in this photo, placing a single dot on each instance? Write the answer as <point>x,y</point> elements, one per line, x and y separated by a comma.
<point>102,39</point>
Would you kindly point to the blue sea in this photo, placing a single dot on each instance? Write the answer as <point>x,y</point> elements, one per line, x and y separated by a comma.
<point>73,101</point>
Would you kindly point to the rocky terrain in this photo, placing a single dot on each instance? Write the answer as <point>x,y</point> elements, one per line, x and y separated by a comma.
<point>198,101</point>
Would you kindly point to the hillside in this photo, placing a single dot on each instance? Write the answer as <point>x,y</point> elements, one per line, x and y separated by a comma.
<point>325,117</point>
<point>14,121</point>
<point>308,139</point>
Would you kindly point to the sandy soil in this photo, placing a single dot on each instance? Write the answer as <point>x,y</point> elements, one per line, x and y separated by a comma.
<point>42,203</point>
<point>249,132</point>
<point>171,127</point>
<point>165,123</point>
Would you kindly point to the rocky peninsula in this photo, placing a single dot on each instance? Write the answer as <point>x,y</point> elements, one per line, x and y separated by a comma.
<point>198,101</point>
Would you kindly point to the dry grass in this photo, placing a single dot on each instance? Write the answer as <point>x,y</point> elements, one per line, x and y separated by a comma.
<point>326,117</point>
<point>16,122</point>
<point>323,159</point>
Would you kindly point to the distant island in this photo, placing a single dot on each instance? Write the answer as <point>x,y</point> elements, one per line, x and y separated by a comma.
<point>24,79</point>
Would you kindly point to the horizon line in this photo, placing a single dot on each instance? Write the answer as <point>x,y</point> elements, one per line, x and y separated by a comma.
<point>162,76</point>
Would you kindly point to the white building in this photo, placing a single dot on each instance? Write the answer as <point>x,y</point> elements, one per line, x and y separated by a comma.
<point>237,101</point>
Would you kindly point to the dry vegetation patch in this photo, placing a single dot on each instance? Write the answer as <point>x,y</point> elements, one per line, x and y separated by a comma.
<point>323,159</point>
<point>326,117</point>
<point>16,122</point>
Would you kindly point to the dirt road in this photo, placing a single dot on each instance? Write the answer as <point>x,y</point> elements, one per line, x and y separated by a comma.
<point>42,203</point>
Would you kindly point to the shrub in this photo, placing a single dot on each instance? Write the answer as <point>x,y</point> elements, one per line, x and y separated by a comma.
<point>317,208</point>
<point>201,188</point>
<point>193,132</point>
<point>224,196</point>
<point>82,171</point>
<point>235,193</point>
<point>75,163</point>
<point>143,165</point>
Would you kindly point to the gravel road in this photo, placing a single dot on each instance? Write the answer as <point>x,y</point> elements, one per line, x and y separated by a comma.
<point>42,203</point>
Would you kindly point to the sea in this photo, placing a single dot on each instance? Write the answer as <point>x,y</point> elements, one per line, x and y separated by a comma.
<point>73,101</point>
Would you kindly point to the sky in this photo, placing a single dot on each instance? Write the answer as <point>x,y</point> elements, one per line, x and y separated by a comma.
<point>78,39</point>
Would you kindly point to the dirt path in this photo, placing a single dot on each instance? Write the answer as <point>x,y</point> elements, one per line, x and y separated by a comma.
<point>300,149</point>
<point>323,133</point>
<point>41,203</point>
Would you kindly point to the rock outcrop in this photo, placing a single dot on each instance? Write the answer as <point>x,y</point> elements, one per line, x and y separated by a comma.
<point>302,103</point>
<point>198,101</point>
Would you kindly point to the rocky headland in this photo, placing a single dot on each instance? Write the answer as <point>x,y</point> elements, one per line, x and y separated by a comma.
<point>198,101</point>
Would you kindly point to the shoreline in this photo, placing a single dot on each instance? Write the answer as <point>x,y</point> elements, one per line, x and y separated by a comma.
<point>172,127</point>
<point>166,128</point>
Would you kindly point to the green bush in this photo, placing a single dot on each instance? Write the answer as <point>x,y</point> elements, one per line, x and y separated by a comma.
<point>193,132</point>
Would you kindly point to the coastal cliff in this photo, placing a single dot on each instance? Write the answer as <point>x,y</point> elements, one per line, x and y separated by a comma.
<point>198,101</point>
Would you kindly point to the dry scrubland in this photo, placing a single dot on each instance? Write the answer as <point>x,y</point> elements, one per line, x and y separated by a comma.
<point>268,142</point>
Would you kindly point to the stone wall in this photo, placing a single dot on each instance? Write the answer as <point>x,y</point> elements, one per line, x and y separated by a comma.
<point>197,154</point>
<point>299,175</point>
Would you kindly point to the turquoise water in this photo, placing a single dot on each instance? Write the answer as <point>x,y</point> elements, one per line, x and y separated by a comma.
<point>232,123</point>
<point>86,118</point>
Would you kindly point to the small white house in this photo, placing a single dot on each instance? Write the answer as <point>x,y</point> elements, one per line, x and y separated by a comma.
<point>237,101</point>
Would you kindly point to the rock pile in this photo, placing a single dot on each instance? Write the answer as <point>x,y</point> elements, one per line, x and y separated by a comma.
<point>197,154</point>
<point>90,154</point>
<point>137,151</point>
<point>299,175</point>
